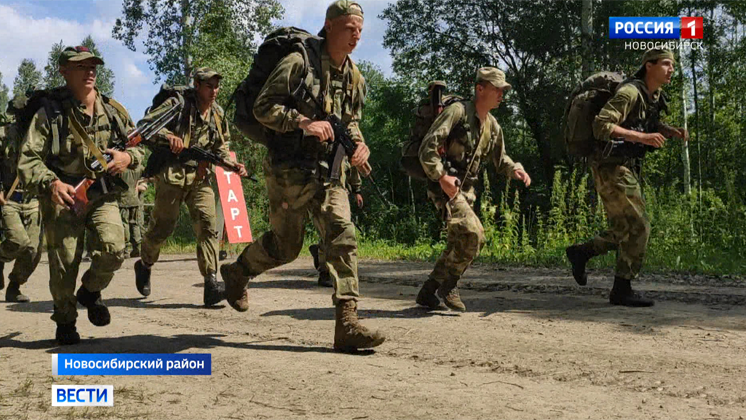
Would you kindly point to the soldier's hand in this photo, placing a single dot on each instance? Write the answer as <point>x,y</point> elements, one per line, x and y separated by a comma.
<point>62,193</point>
<point>175,143</point>
<point>242,170</point>
<point>2,199</point>
<point>651,139</point>
<point>680,133</point>
<point>119,162</point>
<point>522,176</point>
<point>361,155</point>
<point>449,184</point>
<point>359,200</point>
<point>321,129</point>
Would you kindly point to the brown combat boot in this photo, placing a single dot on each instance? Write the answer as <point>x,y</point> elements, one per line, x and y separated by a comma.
<point>448,291</point>
<point>236,283</point>
<point>426,297</point>
<point>349,335</point>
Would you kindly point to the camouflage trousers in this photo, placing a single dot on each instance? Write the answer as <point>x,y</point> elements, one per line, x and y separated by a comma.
<point>200,200</point>
<point>294,194</point>
<point>629,228</point>
<point>465,236</point>
<point>132,219</point>
<point>22,230</point>
<point>65,233</point>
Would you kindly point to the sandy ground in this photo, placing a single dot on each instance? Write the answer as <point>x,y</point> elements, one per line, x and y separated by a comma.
<point>532,346</point>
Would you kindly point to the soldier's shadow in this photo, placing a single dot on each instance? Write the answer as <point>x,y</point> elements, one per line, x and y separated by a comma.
<point>327,314</point>
<point>46,306</point>
<point>148,343</point>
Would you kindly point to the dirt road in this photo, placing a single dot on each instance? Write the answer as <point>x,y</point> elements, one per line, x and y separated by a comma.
<point>531,346</point>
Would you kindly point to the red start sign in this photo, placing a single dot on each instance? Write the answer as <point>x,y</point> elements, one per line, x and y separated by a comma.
<point>234,206</point>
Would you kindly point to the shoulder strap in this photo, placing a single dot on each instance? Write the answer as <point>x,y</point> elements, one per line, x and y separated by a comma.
<point>218,123</point>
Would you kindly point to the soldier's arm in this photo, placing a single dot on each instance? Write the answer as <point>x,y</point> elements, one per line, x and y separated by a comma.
<point>270,107</point>
<point>33,173</point>
<point>436,137</point>
<point>161,138</point>
<point>606,125</point>
<point>359,103</point>
<point>503,163</point>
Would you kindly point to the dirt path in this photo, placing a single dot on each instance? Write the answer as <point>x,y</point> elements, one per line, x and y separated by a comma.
<point>532,346</point>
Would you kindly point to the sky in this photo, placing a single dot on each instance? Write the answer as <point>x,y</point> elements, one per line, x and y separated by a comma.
<point>29,28</point>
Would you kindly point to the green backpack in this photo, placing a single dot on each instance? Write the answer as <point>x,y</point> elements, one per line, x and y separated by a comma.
<point>425,114</point>
<point>586,101</point>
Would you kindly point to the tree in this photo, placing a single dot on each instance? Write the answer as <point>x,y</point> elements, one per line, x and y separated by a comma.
<point>3,96</point>
<point>52,76</point>
<point>105,78</point>
<point>28,77</point>
<point>178,30</point>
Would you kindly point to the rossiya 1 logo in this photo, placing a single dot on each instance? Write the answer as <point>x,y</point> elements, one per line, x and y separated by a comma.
<point>656,28</point>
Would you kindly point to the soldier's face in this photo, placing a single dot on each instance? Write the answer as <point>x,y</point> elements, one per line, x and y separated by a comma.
<point>343,33</point>
<point>80,74</point>
<point>662,71</point>
<point>207,91</point>
<point>490,94</point>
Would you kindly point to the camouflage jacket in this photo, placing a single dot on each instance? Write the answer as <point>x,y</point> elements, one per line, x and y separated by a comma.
<point>39,165</point>
<point>341,91</point>
<point>458,133</point>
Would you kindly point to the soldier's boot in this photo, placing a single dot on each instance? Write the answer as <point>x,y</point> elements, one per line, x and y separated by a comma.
<point>222,255</point>
<point>142,278</point>
<point>13,293</point>
<point>325,279</point>
<point>236,280</point>
<point>349,334</point>
<point>98,313</point>
<point>578,255</point>
<point>2,275</point>
<point>67,334</point>
<point>314,250</point>
<point>214,291</point>
<point>448,291</point>
<point>622,294</point>
<point>426,297</point>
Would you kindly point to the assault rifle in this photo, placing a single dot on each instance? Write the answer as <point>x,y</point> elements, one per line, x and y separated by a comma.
<point>344,146</point>
<point>110,184</point>
<point>162,155</point>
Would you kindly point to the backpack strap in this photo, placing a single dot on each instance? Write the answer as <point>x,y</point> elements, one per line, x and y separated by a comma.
<point>55,111</point>
<point>218,123</point>
<point>80,135</point>
<point>114,112</point>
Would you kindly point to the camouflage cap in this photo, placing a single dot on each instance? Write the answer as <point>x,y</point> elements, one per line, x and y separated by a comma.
<point>206,73</point>
<point>494,76</point>
<point>78,53</point>
<point>435,83</point>
<point>656,54</point>
<point>343,8</point>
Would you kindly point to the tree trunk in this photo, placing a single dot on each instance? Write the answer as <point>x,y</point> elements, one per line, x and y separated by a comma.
<point>696,119</point>
<point>586,30</point>
<point>685,145</point>
<point>186,34</point>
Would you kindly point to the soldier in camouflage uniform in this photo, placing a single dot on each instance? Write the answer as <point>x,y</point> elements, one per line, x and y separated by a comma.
<point>130,208</point>
<point>54,157</point>
<point>202,124</point>
<point>632,115</point>
<point>21,221</point>
<point>297,172</point>
<point>318,251</point>
<point>450,154</point>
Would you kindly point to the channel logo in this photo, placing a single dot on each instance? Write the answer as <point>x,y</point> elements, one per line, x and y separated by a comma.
<point>656,28</point>
<point>82,395</point>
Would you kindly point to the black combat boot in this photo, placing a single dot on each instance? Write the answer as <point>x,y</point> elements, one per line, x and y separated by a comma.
<point>448,291</point>
<point>142,278</point>
<point>67,334</point>
<point>13,293</point>
<point>325,279</point>
<point>578,255</point>
<point>622,294</point>
<point>222,255</point>
<point>426,297</point>
<point>2,275</point>
<point>236,278</point>
<point>98,313</point>
<point>214,291</point>
<point>314,250</point>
